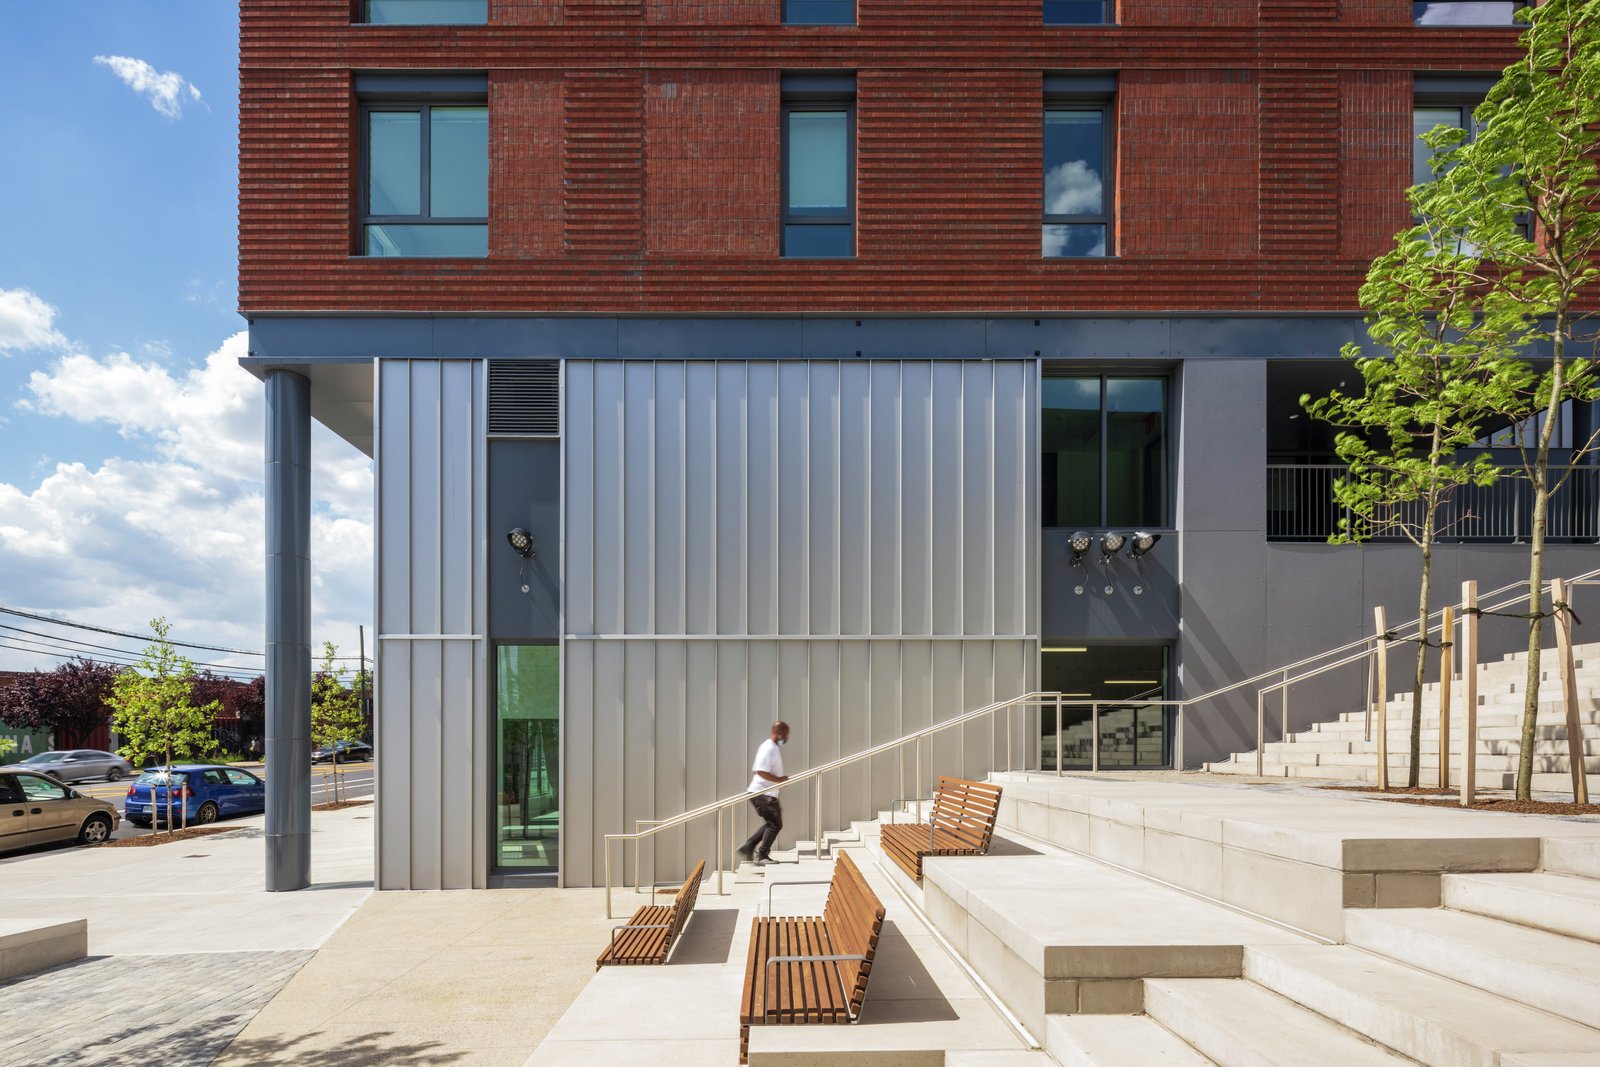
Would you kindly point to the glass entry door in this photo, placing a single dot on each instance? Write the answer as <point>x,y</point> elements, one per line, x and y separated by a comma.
<point>528,757</point>
<point>1134,733</point>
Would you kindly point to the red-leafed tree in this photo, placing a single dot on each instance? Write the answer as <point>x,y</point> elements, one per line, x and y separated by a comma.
<point>69,701</point>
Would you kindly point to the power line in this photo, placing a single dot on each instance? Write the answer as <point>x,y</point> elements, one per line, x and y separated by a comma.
<point>134,636</point>
<point>233,674</point>
<point>128,655</point>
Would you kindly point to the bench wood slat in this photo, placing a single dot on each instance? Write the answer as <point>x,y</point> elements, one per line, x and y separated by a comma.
<point>960,823</point>
<point>650,931</point>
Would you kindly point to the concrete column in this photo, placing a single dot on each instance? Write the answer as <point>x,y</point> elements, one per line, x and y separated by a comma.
<point>288,631</point>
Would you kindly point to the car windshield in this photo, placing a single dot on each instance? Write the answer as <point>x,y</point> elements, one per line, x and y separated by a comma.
<point>45,757</point>
<point>160,778</point>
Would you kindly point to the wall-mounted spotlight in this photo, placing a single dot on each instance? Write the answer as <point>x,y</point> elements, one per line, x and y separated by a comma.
<point>522,541</point>
<point>1079,543</point>
<point>1110,544</point>
<point>1142,543</point>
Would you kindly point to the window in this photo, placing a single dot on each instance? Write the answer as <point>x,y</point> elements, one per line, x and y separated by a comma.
<point>819,12</point>
<point>1449,103</point>
<point>1077,12</point>
<point>1129,682</point>
<point>1466,12</point>
<point>241,778</point>
<point>1105,452</point>
<point>425,12</point>
<point>37,788</point>
<point>1077,180</point>
<point>819,121</point>
<point>528,744</point>
<point>427,179</point>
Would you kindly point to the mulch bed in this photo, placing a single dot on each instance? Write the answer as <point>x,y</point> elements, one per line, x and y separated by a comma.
<point>1514,807</point>
<point>147,840</point>
<point>336,805</point>
<point>1395,790</point>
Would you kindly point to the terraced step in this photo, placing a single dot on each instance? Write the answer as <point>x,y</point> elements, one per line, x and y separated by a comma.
<point>1432,1019</point>
<point>1572,855</point>
<point>1559,974</point>
<point>1560,903</point>
<point>1239,1024</point>
<point>1117,1041</point>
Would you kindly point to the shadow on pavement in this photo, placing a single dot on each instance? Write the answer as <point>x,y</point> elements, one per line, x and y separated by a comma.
<point>707,939</point>
<point>320,1050</point>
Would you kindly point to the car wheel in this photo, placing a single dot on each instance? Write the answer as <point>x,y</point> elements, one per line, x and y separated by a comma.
<point>114,774</point>
<point>206,814</point>
<point>96,830</point>
<point>338,758</point>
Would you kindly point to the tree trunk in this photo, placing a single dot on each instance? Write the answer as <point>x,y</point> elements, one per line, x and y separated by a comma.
<point>1541,511</point>
<point>1414,776</point>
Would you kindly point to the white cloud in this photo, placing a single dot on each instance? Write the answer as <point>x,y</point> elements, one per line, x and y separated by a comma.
<point>27,322</point>
<point>1072,188</point>
<point>174,527</point>
<point>166,91</point>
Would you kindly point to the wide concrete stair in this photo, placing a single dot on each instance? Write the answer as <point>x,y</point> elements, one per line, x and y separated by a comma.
<point>1131,924</point>
<point>1345,747</point>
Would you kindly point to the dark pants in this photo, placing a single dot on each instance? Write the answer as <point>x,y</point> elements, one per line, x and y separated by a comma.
<point>761,841</point>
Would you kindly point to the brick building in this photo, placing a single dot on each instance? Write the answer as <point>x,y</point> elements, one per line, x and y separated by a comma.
<point>800,337</point>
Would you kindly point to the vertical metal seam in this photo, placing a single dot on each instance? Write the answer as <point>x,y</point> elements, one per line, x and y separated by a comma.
<point>377,616</point>
<point>565,764</point>
<point>439,566</point>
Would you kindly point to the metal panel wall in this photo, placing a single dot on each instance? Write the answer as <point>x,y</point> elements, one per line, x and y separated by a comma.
<point>850,546</point>
<point>430,679</point>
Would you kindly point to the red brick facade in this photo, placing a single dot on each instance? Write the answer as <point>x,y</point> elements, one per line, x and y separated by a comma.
<point>1262,146</point>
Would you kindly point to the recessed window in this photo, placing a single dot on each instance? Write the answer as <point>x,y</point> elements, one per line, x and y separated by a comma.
<point>427,180</point>
<point>1077,185</point>
<point>1077,12</point>
<point>1105,452</point>
<point>819,177</point>
<point>425,12</point>
<point>1457,115</point>
<point>819,12</point>
<point>1466,12</point>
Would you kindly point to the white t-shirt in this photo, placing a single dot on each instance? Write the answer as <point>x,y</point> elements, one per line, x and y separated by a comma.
<point>769,758</point>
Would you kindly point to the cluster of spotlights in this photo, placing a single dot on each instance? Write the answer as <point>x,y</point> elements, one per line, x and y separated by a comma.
<point>1111,543</point>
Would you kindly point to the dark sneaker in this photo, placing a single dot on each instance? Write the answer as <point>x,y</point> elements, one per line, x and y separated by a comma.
<point>748,853</point>
<point>761,861</point>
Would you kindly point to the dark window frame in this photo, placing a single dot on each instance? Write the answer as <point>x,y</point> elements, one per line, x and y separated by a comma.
<point>1464,99</point>
<point>361,15</point>
<point>497,870</point>
<point>424,109</point>
<point>793,102</point>
<point>1168,457</point>
<point>1418,7</point>
<point>1108,15</point>
<point>1106,217</point>
<point>788,20</point>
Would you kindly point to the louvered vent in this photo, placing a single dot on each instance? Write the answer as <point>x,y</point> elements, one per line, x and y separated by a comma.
<point>525,397</point>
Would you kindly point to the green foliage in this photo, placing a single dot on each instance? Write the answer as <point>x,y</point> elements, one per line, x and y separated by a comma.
<point>153,707</point>
<point>7,746</point>
<point>336,711</point>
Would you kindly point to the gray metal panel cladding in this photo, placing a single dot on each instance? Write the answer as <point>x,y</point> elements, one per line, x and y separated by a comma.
<point>849,545</point>
<point>432,426</point>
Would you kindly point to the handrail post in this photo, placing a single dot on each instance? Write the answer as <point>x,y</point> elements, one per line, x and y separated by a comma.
<point>1009,717</point>
<point>1380,617</point>
<point>1261,733</point>
<point>1447,629</point>
<point>917,781</point>
<point>1094,736</point>
<point>1371,662</point>
<point>1059,753</point>
<point>1469,691</point>
<point>606,845</point>
<point>1283,734</point>
<point>717,856</point>
<point>1177,744</point>
<point>816,791</point>
<point>1569,690</point>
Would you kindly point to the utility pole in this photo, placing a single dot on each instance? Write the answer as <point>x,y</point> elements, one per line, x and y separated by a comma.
<point>366,703</point>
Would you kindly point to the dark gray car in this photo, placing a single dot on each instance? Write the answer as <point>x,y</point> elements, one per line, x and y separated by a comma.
<point>79,764</point>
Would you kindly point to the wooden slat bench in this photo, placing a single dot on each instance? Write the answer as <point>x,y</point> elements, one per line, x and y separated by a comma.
<point>648,936</point>
<point>960,824</point>
<point>812,970</point>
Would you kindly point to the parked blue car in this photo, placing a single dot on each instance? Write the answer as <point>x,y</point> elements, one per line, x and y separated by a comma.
<point>204,793</point>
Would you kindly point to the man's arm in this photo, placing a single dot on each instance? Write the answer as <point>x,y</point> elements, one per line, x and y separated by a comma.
<point>776,779</point>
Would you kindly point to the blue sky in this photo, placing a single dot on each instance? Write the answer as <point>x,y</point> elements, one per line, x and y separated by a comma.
<point>129,460</point>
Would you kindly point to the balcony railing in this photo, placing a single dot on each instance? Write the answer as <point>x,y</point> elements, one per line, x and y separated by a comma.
<point>1301,507</point>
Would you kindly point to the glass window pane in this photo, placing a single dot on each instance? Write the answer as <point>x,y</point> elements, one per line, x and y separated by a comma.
<point>394,163</point>
<point>1074,162</point>
<point>1424,119</point>
<point>1070,432</point>
<point>819,242</point>
<point>528,733</point>
<point>1464,12</point>
<point>1136,452</point>
<point>1133,733</point>
<point>1079,241</point>
<point>820,12</point>
<point>1074,12</point>
<point>463,241</point>
<point>458,178</point>
<point>819,171</point>
<point>428,12</point>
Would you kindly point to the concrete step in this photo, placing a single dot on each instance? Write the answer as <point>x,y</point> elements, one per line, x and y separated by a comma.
<point>1572,855</point>
<point>998,1058</point>
<point>28,945</point>
<point>1561,903</point>
<point>1434,1020</point>
<point>1240,1024</point>
<point>1117,1041</point>
<point>1544,970</point>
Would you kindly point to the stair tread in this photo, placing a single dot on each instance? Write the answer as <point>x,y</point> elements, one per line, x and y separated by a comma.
<point>1117,1041</point>
<point>1238,1022</point>
<point>1557,973</point>
<point>1415,1012</point>
<point>1562,903</point>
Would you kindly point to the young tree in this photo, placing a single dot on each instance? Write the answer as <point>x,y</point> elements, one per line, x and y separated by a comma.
<point>336,712</point>
<point>1403,437</point>
<point>155,711</point>
<point>69,701</point>
<point>7,746</point>
<point>1521,197</point>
